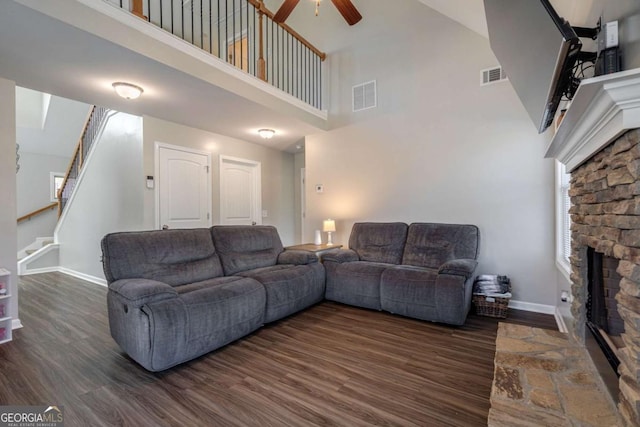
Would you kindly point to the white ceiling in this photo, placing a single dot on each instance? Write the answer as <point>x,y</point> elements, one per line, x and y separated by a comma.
<point>76,52</point>
<point>469,13</point>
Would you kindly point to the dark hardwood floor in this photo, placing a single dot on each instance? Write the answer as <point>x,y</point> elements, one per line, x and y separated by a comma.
<point>328,365</point>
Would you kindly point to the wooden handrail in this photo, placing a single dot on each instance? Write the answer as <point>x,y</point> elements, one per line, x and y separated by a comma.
<point>258,4</point>
<point>136,9</point>
<point>37,212</point>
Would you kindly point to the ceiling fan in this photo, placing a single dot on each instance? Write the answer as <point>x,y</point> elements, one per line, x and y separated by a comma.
<point>345,7</point>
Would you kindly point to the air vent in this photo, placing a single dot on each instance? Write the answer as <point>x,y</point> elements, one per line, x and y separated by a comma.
<point>492,75</point>
<point>364,96</point>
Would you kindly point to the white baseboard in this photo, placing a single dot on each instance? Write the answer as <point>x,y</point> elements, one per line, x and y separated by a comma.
<point>39,271</point>
<point>83,276</point>
<point>68,271</point>
<point>16,324</point>
<point>530,306</point>
<point>541,308</point>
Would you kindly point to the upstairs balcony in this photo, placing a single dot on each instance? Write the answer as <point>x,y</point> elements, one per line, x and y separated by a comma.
<point>242,33</point>
<point>77,48</point>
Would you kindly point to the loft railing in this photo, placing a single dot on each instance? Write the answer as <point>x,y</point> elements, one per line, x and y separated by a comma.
<point>242,33</point>
<point>87,138</point>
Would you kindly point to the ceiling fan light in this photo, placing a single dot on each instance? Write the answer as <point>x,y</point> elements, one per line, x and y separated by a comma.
<point>266,133</point>
<point>127,90</point>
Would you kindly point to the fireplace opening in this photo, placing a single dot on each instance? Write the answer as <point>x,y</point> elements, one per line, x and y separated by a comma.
<point>603,320</point>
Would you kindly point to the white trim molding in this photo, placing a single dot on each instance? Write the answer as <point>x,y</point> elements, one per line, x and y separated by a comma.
<point>602,109</point>
<point>562,327</point>
<point>532,306</point>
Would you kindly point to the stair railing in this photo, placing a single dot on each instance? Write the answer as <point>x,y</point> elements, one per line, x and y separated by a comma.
<point>37,212</point>
<point>242,33</point>
<point>89,133</point>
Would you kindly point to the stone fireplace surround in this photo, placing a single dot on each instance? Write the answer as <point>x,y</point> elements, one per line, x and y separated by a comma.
<point>599,143</point>
<point>605,216</point>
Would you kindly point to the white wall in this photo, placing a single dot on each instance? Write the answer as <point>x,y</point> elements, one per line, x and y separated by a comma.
<point>438,148</point>
<point>33,192</point>
<point>8,228</point>
<point>108,199</point>
<point>277,171</point>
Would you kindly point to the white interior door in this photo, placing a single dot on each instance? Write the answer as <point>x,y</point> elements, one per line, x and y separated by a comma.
<point>183,194</point>
<point>240,191</point>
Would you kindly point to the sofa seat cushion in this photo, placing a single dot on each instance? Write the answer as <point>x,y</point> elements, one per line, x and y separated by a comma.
<point>355,283</point>
<point>289,288</point>
<point>218,309</point>
<point>401,285</point>
<point>218,312</point>
<point>424,294</point>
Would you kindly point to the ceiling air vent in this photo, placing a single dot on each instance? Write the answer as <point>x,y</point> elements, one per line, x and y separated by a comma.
<point>492,75</point>
<point>364,96</point>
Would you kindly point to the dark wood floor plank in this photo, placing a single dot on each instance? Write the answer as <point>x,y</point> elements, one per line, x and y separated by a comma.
<point>328,365</point>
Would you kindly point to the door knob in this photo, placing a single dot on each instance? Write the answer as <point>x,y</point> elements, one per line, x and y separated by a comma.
<point>165,227</point>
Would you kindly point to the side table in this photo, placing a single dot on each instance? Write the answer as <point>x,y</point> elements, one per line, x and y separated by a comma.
<point>318,250</point>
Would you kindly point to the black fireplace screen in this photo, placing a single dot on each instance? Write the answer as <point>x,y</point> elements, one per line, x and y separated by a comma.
<point>603,319</point>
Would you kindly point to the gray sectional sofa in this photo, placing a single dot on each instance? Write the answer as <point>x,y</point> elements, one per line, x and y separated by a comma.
<point>422,270</point>
<point>177,294</point>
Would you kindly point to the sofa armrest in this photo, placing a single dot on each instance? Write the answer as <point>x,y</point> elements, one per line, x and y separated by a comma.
<point>459,267</point>
<point>297,257</point>
<point>340,256</point>
<point>142,291</point>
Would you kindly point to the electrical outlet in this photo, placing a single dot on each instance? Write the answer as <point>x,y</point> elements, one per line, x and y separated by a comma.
<point>265,213</point>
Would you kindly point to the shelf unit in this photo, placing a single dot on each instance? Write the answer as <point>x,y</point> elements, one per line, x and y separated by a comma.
<point>5,299</point>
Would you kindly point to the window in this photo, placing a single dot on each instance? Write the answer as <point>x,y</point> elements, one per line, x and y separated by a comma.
<point>55,182</point>
<point>563,220</point>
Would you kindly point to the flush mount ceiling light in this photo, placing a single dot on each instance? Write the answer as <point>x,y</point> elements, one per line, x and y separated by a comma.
<point>267,133</point>
<point>127,90</point>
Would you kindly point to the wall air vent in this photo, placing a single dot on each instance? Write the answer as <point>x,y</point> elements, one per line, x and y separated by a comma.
<point>364,96</point>
<point>492,75</point>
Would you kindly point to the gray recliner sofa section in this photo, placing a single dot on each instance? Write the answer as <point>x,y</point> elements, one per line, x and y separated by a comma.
<point>177,294</point>
<point>422,270</point>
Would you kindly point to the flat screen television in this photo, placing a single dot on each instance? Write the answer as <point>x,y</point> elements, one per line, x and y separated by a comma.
<point>537,50</point>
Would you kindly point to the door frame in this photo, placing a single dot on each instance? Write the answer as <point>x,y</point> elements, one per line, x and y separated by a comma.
<point>256,186</point>
<point>156,173</point>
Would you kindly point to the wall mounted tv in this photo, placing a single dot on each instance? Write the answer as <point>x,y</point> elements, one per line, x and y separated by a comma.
<point>537,50</point>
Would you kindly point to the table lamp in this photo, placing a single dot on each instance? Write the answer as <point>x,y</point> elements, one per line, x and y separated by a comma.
<point>329,226</point>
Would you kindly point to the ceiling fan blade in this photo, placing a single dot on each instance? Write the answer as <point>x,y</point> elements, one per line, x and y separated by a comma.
<point>285,10</point>
<point>348,11</point>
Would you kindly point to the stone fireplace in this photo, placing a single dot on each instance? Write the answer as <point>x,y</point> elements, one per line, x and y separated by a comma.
<point>599,142</point>
<point>605,215</point>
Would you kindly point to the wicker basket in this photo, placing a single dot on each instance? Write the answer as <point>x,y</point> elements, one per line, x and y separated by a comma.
<point>491,306</point>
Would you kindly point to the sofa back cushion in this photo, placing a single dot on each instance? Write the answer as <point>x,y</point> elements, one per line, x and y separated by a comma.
<point>175,257</point>
<point>431,245</point>
<point>245,247</point>
<point>378,241</point>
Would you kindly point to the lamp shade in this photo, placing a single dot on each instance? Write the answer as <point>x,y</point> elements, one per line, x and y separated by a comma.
<point>328,225</point>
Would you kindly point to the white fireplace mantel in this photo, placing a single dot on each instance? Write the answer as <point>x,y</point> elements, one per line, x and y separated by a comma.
<point>602,109</point>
